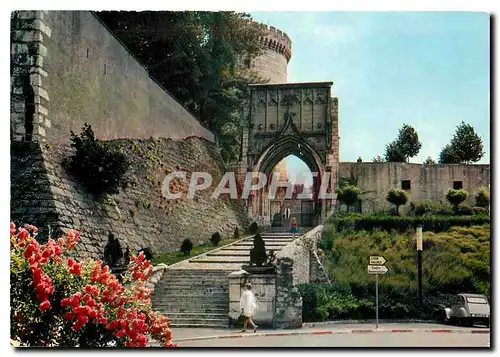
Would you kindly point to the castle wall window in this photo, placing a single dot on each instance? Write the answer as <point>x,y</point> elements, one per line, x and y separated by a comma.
<point>406,185</point>
<point>457,185</point>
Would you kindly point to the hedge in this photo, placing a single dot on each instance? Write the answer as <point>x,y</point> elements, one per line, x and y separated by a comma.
<point>342,301</point>
<point>404,223</point>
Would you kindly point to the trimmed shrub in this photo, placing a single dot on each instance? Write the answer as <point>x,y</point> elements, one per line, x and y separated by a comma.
<point>443,210</point>
<point>215,239</point>
<point>348,195</point>
<point>253,228</point>
<point>480,211</point>
<point>483,198</point>
<point>397,197</point>
<point>424,207</point>
<point>236,234</point>
<point>456,197</point>
<point>463,210</point>
<point>404,223</point>
<point>258,256</point>
<point>186,247</point>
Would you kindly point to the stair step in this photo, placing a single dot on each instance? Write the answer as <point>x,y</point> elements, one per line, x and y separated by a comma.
<point>198,314</point>
<point>197,278</point>
<point>200,319</point>
<point>175,307</point>
<point>220,260</point>
<point>213,296</point>
<point>200,325</point>
<point>197,272</point>
<point>187,291</point>
<point>250,244</point>
<point>190,281</point>
<point>230,253</point>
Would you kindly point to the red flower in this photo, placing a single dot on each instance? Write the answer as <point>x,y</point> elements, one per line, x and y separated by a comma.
<point>76,269</point>
<point>12,228</point>
<point>45,305</point>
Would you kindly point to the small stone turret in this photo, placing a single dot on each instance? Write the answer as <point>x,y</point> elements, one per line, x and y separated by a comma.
<point>272,63</point>
<point>278,41</point>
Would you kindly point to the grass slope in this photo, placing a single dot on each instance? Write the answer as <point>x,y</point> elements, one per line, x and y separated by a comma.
<point>454,261</point>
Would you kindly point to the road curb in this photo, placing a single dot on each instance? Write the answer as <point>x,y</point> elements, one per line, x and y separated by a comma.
<point>356,322</point>
<point>330,332</point>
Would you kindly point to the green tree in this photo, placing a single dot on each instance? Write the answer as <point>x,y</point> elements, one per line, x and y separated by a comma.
<point>429,161</point>
<point>397,197</point>
<point>378,158</point>
<point>465,146</point>
<point>456,197</point>
<point>393,153</point>
<point>405,146</point>
<point>483,198</point>
<point>448,156</point>
<point>348,195</point>
<point>408,141</point>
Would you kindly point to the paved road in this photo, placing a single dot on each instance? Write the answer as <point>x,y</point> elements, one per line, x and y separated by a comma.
<point>414,339</point>
<point>180,334</point>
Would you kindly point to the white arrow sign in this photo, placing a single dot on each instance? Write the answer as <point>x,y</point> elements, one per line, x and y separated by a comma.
<point>376,260</point>
<point>377,269</point>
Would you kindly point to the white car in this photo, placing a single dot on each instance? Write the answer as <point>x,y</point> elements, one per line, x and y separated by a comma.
<point>469,309</point>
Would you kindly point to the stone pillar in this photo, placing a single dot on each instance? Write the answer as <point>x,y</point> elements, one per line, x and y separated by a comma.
<point>29,98</point>
<point>288,310</point>
<point>264,288</point>
<point>332,155</point>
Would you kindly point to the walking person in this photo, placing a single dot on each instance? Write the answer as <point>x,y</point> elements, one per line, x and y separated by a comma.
<point>295,227</point>
<point>248,307</point>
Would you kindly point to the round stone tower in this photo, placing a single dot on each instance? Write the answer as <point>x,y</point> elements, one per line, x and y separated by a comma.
<point>273,62</point>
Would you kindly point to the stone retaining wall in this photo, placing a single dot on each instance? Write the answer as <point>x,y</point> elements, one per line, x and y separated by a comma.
<point>68,69</point>
<point>299,251</point>
<point>43,193</point>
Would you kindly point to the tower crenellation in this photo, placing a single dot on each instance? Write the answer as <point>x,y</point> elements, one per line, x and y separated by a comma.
<point>277,41</point>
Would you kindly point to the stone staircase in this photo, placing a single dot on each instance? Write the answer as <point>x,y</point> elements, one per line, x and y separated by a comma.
<point>195,293</point>
<point>193,298</point>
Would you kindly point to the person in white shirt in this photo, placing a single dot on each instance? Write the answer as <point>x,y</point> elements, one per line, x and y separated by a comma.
<point>248,306</point>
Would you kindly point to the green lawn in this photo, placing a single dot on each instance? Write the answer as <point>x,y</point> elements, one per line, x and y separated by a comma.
<point>170,258</point>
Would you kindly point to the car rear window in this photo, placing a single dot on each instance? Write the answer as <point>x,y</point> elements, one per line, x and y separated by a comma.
<point>476,300</point>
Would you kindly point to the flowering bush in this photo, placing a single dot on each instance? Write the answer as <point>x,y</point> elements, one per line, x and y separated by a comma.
<point>57,301</point>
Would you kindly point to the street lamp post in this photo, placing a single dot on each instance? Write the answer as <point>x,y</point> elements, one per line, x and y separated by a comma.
<point>419,237</point>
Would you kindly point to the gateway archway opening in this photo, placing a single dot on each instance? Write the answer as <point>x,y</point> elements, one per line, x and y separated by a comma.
<point>296,200</point>
<point>293,171</point>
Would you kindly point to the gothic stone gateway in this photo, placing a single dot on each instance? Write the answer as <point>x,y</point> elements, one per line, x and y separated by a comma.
<point>298,119</point>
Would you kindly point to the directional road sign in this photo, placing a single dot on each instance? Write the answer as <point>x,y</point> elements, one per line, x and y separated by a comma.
<point>376,260</point>
<point>377,269</point>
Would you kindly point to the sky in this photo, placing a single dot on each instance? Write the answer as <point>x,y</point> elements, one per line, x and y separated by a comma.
<point>430,70</point>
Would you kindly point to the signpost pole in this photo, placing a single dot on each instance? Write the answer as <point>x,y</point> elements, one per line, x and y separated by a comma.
<point>376,299</point>
<point>377,267</point>
<point>419,262</point>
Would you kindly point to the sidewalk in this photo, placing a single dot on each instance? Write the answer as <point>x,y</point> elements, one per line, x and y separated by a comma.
<point>190,334</point>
